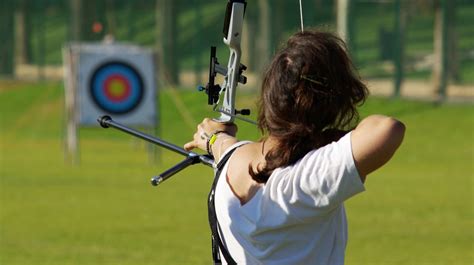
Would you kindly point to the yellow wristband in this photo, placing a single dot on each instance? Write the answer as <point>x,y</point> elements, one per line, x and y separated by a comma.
<point>213,139</point>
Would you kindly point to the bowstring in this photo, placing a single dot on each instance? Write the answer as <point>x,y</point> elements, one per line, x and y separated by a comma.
<point>301,16</point>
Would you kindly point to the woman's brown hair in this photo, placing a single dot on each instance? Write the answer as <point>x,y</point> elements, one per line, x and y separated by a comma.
<point>310,92</point>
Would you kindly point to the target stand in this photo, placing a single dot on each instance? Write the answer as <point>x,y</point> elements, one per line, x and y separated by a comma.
<point>108,79</point>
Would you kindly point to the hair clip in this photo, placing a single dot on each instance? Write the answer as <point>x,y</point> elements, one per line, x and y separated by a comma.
<point>323,81</point>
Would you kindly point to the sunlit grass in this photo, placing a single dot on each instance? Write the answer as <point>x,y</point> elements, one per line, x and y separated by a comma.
<point>416,210</point>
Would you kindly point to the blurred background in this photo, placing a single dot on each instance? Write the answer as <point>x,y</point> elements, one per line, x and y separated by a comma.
<point>423,41</point>
<point>417,58</point>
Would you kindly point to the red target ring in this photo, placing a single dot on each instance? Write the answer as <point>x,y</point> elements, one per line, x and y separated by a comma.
<point>116,88</point>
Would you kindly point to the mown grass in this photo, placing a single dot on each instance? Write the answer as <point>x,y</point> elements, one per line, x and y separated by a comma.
<point>416,210</point>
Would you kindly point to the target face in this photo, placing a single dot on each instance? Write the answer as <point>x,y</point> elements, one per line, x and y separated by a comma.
<point>116,87</point>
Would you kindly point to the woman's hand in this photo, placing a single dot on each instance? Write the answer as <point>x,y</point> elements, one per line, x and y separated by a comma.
<point>205,130</point>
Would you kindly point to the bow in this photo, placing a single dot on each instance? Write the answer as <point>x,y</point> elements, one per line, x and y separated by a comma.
<point>233,25</point>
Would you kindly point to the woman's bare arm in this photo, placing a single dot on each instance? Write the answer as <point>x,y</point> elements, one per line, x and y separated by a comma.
<point>374,141</point>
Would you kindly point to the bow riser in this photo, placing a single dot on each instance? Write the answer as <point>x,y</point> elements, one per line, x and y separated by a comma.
<point>233,28</point>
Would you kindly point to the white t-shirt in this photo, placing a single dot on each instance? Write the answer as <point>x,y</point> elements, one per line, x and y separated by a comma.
<point>298,216</point>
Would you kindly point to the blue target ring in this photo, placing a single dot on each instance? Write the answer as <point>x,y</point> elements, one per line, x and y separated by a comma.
<point>116,87</point>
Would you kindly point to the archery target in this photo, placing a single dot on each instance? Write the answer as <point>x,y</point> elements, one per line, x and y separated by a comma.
<point>116,80</point>
<point>116,87</point>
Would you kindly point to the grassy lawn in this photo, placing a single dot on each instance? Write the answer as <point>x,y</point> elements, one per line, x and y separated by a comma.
<point>416,210</point>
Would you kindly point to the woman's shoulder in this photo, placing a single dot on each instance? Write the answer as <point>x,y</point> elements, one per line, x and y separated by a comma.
<point>248,153</point>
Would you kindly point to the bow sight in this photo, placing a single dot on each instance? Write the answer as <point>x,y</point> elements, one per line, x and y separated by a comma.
<point>213,91</point>
<point>232,76</point>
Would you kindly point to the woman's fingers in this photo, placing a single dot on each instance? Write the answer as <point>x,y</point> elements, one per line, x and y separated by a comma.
<point>210,126</point>
<point>199,141</point>
<point>189,146</point>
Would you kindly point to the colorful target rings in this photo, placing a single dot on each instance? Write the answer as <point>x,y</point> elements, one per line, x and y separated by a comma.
<point>116,87</point>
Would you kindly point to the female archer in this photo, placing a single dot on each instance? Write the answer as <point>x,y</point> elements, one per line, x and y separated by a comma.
<point>281,200</point>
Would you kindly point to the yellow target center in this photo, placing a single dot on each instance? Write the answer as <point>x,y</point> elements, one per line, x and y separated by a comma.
<point>117,88</point>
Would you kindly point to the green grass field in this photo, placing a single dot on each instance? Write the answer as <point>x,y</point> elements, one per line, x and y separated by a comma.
<point>416,210</point>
